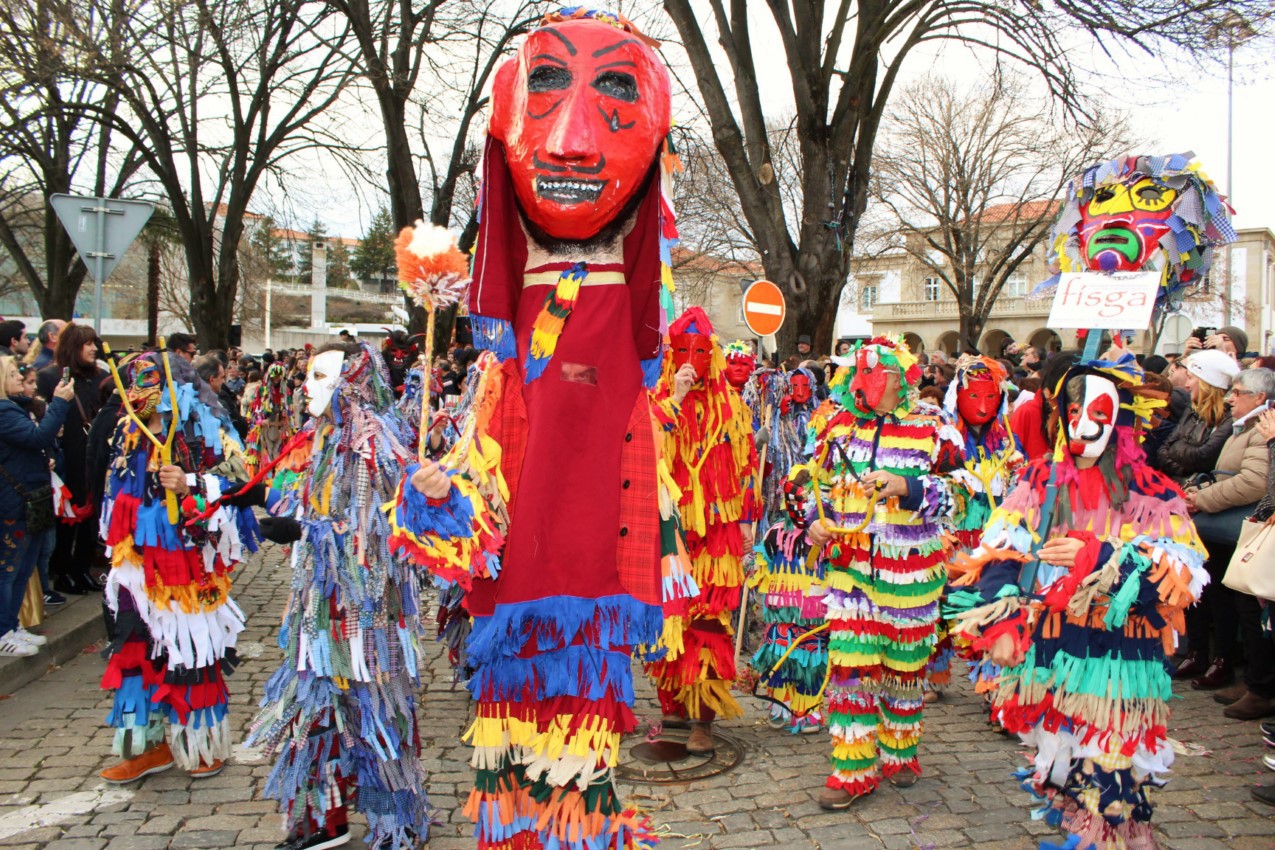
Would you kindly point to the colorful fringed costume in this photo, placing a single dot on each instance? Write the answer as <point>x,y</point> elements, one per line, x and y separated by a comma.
<point>270,419</point>
<point>168,589</point>
<point>558,524</point>
<point>1090,695</point>
<point>708,443</point>
<point>885,565</point>
<point>788,581</point>
<point>339,713</point>
<point>978,407</point>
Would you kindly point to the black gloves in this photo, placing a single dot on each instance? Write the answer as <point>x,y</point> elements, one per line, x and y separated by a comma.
<point>280,529</point>
<point>245,497</point>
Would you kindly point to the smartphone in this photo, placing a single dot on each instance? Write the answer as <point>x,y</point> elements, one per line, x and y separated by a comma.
<point>1200,333</point>
<point>66,374</point>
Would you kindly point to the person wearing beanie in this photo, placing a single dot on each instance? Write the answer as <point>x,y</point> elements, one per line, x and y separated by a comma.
<point>1238,339</point>
<point>1229,340</point>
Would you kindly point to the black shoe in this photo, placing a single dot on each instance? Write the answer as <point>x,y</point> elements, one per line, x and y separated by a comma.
<point>53,599</point>
<point>1268,728</point>
<point>93,585</point>
<point>63,584</point>
<point>1220,674</point>
<point>1195,664</point>
<point>317,841</point>
<point>1265,793</point>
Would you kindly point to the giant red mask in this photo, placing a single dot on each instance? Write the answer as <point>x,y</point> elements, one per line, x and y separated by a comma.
<point>978,402</point>
<point>581,110</point>
<point>695,349</point>
<point>800,385</point>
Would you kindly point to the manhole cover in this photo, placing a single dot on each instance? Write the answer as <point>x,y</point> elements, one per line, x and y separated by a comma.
<point>665,761</point>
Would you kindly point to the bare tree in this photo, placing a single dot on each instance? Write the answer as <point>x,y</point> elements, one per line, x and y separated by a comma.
<point>843,60</point>
<point>971,180</point>
<point>217,94</point>
<point>50,143</point>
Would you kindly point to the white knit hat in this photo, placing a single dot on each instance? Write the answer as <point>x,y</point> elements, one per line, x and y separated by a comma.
<point>1213,367</point>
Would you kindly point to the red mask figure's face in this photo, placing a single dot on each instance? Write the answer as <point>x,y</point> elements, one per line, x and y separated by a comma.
<point>875,384</point>
<point>738,371</point>
<point>1091,416</point>
<point>1121,227</point>
<point>800,388</point>
<point>582,110</point>
<point>978,402</point>
<point>695,349</point>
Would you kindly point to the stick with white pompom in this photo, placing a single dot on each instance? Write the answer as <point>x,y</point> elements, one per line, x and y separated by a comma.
<point>435,273</point>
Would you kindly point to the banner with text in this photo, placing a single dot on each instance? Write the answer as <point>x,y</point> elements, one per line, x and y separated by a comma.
<point>1108,301</point>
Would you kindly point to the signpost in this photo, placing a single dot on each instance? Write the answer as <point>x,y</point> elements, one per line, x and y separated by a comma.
<point>101,230</point>
<point>764,308</point>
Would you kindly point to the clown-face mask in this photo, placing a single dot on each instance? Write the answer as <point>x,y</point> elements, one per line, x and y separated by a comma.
<point>695,349</point>
<point>978,402</point>
<point>1090,417</point>
<point>876,385</point>
<point>581,110</point>
<point>1121,226</point>
<point>739,370</point>
<point>800,385</point>
<point>321,380</point>
<point>147,388</point>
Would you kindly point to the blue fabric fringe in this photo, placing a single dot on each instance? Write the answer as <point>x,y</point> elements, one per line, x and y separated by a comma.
<point>495,335</point>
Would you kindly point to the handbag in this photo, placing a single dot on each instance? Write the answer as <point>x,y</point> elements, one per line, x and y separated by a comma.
<point>38,503</point>
<point>1252,567</point>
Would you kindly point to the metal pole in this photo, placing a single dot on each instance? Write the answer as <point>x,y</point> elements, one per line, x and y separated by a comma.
<point>269,282</point>
<point>1230,182</point>
<point>99,261</point>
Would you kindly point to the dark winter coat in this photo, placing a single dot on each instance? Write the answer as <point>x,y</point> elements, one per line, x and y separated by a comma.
<point>25,449</point>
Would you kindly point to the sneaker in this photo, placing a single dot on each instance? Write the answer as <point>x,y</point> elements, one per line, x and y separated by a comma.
<point>1269,761</point>
<point>33,639</point>
<point>12,646</point>
<point>1268,728</point>
<point>155,760</point>
<point>317,841</point>
<point>1264,793</point>
<point>204,771</point>
<point>53,599</point>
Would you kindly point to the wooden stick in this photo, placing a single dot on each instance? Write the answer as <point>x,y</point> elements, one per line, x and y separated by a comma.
<point>422,444</point>
<point>166,450</point>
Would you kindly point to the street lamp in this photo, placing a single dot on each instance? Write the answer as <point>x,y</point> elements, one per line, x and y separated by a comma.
<point>1232,30</point>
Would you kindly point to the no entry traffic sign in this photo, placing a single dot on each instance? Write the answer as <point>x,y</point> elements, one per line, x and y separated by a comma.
<point>763,308</point>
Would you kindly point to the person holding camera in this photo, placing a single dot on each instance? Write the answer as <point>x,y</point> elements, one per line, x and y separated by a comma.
<point>1229,340</point>
<point>25,491</point>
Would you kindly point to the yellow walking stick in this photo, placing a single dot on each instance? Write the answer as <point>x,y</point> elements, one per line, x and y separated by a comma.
<point>166,450</point>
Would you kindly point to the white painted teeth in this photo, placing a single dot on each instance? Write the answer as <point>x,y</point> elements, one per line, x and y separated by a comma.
<point>567,184</point>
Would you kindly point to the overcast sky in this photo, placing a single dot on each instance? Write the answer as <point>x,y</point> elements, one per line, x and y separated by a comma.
<point>1180,104</point>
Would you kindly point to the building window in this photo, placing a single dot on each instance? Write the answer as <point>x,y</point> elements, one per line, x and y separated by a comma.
<point>932,288</point>
<point>1016,285</point>
<point>867,297</point>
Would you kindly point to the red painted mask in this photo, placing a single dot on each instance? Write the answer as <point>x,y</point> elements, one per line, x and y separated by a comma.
<point>581,110</point>
<point>1121,226</point>
<point>739,370</point>
<point>695,349</point>
<point>871,380</point>
<point>800,388</point>
<point>978,402</point>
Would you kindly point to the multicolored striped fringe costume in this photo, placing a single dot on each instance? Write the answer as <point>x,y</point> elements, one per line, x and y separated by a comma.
<point>790,582</point>
<point>708,443</point>
<point>1091,696</point>
<point>169,585</point>
<point>991,460</point>
<point>270,422</point>
<point>339,713</point>
<point>884,570</point>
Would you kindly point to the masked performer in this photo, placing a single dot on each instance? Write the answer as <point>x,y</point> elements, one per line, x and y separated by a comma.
<point>709,446</point>
<point>1083,650</point>
<point>270,418</point>
<point>559,459</point>
<point>400,351</point>
<point>791,589</point>
<point>169,585</point>
<point>977,406</point>
<point>878,501</point>
<point>340,712</point>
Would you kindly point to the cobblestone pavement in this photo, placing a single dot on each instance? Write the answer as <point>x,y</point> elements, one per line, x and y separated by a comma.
<point>54,745</point>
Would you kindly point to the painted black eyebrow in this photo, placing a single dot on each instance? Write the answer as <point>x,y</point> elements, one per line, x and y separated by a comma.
<point>571,48</point>
<point>603,51</point>
<point>624,63</point>
<point>549,57</point>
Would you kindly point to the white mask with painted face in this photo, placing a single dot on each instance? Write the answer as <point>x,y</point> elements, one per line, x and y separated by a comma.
<point>321,380</point>
<point>1091,417</point>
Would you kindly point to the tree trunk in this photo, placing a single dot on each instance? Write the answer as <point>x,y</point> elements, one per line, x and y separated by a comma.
<point>152,294</point>
<point>406,206</point>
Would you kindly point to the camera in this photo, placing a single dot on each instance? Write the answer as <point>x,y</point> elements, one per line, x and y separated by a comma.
<point>1203,333</point>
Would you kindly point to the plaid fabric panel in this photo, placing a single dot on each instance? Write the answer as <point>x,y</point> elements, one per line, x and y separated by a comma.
<point>637,551</point>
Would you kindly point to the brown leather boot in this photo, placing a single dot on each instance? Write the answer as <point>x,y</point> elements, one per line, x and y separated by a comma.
<point>1230,694</point>
<point>835,799</point>
<point>700,741</point>
<point>155,760</point>
<point>1250,707</point>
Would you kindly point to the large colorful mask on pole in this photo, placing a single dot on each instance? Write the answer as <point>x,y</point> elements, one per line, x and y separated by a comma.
<point>863,386</point>
<point>1144,213</point>
<point>582,110</point>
